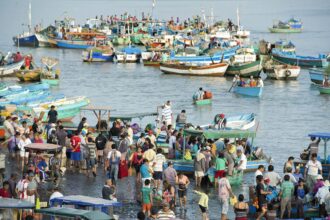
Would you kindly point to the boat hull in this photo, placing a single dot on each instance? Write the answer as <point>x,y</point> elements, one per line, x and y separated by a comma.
<point>69,44</point>
<point>45,41</point>
<point>203,102</point>
<point>26,41</point>
<point>282,72</point>
<point>29,75</point>
<point>10,69</point>
<point>51,82</point>
<point>245,69</point>
<point>324,90</point>
<point>188,166</point>
<point>189,70</point>
<point>248,91</point>
<point>285,30</point>
<point>151,63</point>
<point>97,57</point>
<point>299,60</point>
<point>316,76</point>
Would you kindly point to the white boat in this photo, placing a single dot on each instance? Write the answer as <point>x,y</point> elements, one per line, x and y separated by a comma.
<point>237,122</point>
<point>281,71</point>
<point>216,69</point>
<point>126,58</point>
<point>7,70</point>
<point>146,55</point>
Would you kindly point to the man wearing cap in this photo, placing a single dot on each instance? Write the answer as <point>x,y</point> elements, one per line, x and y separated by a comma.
<point>52,115</point>
<point>312,169</point>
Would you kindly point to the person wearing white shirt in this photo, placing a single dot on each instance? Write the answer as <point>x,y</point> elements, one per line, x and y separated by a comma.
<point>260,83</point>
<point>242,160</point>
<point>167,113</point>
<point>158,165</point>
<point>274,178</point>
<point>312,169</point>
<point>259,172</point>
<point>25,140</point>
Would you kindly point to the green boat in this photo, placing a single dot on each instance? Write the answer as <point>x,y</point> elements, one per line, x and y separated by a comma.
<point>285,30</point>
<point>203,102</point>
<point>245,69</point>
<point>324,90</point>
<point>121,40</point>
<point>51,82</point>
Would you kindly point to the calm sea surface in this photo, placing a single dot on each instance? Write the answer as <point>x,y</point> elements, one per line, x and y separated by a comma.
<point>287,111</point>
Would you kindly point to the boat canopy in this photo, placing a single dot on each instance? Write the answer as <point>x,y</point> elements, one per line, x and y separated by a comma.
<point>43,147</point>
<point>129,117</point>
<point>73,213</point>
<point>325,136</point>
<point>216,134</point>
<point>85,201</point>
<point>7,203</point>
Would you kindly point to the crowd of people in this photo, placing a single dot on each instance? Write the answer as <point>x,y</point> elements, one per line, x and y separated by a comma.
<point>119,156</point>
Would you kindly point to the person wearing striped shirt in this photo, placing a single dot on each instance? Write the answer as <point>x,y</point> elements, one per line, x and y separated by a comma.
<point>167,113</point>
<point>165,213</point>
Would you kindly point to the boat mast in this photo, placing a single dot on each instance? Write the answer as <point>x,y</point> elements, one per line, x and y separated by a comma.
<point>30,17</point>
<point>152,9</point>
<point>237,14</point>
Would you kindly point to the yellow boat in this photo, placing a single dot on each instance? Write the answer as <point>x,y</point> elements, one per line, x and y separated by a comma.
<point>29,75</point>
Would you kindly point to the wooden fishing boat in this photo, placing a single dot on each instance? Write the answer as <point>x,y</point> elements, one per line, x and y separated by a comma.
<point>217,69</point>
<point>324,90</point>
<point>29,75</point>
<point>290,26</point>
<point>280,71</point>
<point>49,75</point>
<point>83,40</point>
<point>8,70</point>
<point>236,122</point>
<point>151,63</point>
<point>316,75</point>
<point>17,89</point>
<point>98,54</point>
<point>296,60</point>
<point>67,109</point>
<point>244,63</point>
<point>245,69</point>
<point>203,102</point>
<point>248,91</point>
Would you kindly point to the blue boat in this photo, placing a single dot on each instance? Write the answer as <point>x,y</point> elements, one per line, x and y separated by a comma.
<point>98,54</point>
<point>248,91</point>
<point>303,61</point>
<point>236,122</point>
<point>26,40</point>
<point>216,58</point>
<point>76,44</point>
<point>16,89</point>
<point>316,75</point>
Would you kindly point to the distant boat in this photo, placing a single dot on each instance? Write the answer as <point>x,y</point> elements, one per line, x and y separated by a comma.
<point>222,55</point>
<point>217,69</point>
<point>236,122</point>
<point>27,39</point>
<point>129,54</point>
<point>302,61</point>
<point>9,69</point>
<point>316,75</point>
<point>248,91</point>
<point>290,26</point>
<point>81,40</point>
<point>280,71</point>
<point>98,54</point>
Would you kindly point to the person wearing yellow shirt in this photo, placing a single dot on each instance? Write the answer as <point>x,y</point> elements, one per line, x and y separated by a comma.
<point>203,203</point>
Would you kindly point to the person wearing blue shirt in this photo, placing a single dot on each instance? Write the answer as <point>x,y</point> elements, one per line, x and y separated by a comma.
<point>146,172</point>
<point>42,165</point>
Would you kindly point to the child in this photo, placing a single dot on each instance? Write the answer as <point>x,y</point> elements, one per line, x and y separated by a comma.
<point>203,203</point>
<point>211,173</point>
<point>146,197</point>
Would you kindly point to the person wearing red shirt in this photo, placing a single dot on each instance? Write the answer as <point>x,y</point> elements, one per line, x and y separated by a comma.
<point>75,153</point>
<point>4,192</point>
